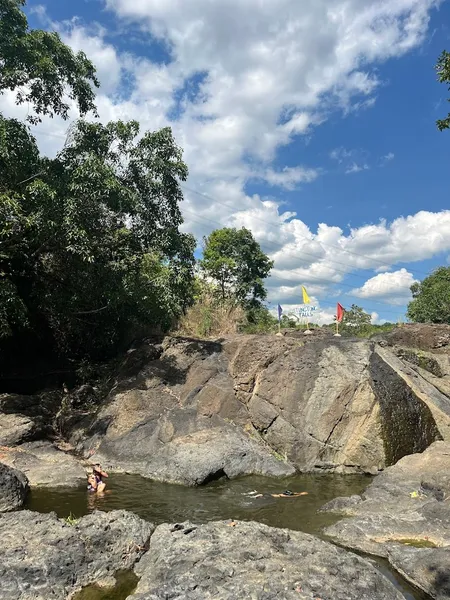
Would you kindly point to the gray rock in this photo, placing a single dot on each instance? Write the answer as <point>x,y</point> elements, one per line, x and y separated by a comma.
<point>13,488</point>
<point>45,465</point>
<point>45,558</point>
<point>404,516</point>
<point>187,411</point>
<point>17,429</point>
<point>253,561</point>
<point>27,418</point>
<point>216,450</point>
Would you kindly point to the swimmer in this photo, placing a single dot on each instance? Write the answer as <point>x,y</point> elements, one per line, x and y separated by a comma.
<point>95,479</point>
<point>289,494</point>
<point>285,494</point>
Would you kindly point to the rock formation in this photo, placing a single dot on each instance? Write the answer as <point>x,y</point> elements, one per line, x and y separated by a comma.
<point>188,411</point>
<point>252,560</point>
<point>45,558</point>
<point>44,464</point>
<point>404,516</point>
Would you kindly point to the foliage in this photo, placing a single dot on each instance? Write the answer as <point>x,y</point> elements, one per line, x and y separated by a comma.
<point>260,320</point>
<point>90,249</point>
<point>356,321</point>
<point>72,520</point>
<point>40,68</point>
<point>233,259</point>
<point>210,316</point>
<point>431,298</point>
<point>443,71</point>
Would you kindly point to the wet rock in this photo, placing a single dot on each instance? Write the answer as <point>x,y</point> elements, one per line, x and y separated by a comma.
<point>404,515</point>
<point>13,488</point>
<point>251,560</point>
<point>44,464</point>
<point>45,558</point>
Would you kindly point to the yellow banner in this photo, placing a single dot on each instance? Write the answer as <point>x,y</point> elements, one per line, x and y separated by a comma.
<point>306,299</point>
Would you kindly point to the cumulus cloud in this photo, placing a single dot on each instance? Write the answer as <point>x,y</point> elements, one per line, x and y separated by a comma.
<point>394,286</point>
<point>290,177</point>
<point>265,73</point>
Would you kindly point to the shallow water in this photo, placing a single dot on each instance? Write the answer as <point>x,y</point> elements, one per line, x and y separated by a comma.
<point>223,499</point>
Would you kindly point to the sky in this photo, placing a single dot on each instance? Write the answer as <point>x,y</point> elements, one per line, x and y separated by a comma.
<point>311,122</point>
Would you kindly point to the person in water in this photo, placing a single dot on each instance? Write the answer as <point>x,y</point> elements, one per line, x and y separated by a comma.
<point>95,479</point>
<point>285,494</point>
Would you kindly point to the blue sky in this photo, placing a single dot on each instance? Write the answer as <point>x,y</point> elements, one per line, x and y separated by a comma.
<point>310,122</point>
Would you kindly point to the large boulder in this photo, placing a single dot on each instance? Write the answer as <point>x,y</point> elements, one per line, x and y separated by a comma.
<point>187,411</point>
<point>251,560</point>
<point>13,488</point>
<point>26,418</point>
<point>46,558</point>
<point>44,464</point>
<point>404,516</point>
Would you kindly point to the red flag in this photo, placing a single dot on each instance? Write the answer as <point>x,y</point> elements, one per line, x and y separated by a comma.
<point>340,312</point>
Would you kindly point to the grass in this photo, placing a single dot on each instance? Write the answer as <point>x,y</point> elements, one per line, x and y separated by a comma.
<point>72,520</point>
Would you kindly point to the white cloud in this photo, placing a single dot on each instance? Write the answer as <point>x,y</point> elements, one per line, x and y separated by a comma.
<point>355,168</point>
<point>290,177</point>
<point>393,286</point>
<point>272,71</point>
<point>375,319</point>
<point>389,156</point>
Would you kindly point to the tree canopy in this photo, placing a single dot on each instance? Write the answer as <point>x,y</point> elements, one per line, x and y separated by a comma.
<point>431,298</point>
<point>443,71</point>
<point>40,68</point>
<point>90,247</point>
<point>233,259</point>
<point>356,321</point>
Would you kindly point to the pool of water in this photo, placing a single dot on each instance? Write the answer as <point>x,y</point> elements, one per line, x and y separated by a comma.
<point>223,499</point>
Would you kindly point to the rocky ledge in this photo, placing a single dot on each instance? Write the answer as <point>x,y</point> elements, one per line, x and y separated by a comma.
<point>404,516</point>
<point>251,560</point>
<point>45,558</point>
<point>44,464</point>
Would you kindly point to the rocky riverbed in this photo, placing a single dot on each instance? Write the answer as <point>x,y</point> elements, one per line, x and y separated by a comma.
<point>191,411</point>
<point>44,558</point>
<point>404,516</point>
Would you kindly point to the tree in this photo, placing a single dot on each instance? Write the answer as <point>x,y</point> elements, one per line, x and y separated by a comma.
<point>42,70</point>
<point>90,248</point>
<point>356,321</point>
<point>431,298</point>
<point>443,71</point>
<point>234,260</point>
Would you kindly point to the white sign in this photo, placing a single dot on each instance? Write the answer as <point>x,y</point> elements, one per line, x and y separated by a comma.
<point>305,311</point>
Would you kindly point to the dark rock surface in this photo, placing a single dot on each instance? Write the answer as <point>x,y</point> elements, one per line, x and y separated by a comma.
<point>253,561</point>
<point>404,515</point>
<point>44,464</point>
<point>13,488</point>
<point>45,558</point>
